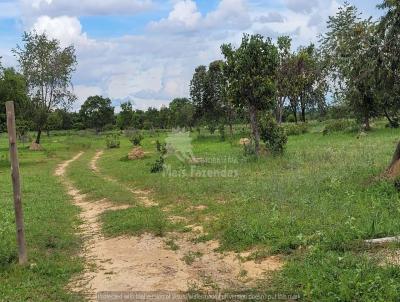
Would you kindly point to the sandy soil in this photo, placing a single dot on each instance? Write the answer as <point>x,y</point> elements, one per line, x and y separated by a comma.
<point>147,263</point>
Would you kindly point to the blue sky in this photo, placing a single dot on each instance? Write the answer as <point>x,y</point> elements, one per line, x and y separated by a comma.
<point>146,50</point>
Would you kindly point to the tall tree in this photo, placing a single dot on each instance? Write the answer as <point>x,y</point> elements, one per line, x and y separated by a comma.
<point>212,104</point>
<point>350,47</point>
<point>47,68</point>
<point>13,87</point>
<point>182,113</point>
<point>251,70</point>
<point>388,67</point>
<point>125,117</point>
<point>164,117</point>
<point>97,112</point>
<point>198,90</point>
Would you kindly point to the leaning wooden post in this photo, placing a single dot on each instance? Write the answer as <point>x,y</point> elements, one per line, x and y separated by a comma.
<point>19,216</point>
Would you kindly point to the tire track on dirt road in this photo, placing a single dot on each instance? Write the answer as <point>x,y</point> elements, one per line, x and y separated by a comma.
<point>145,263</point>
<point>141,195</point>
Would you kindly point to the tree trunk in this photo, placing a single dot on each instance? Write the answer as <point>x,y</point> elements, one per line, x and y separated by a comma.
<point>396,157</point>
<point>230,128</point>
<point>295,114</point>
<point>303,114</point>
<point>392,122</point>
<point>39,133</point>
<point>255,130</point>
<point>366,121</point>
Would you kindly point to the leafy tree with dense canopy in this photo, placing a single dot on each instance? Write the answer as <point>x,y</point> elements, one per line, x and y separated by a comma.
<point>350,48</point>
<point>97,112</point>
<point>251,70</point>
<point>125,117</point>
<point>388,66</point>
<point>182,113</point>
<point>13,87</point>
<point>47,68</point>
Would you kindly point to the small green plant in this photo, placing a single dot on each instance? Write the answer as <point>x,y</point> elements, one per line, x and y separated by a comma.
<point>191,257</point>
<point>172,245</point>
<point>112,141</point>
<point>273,135</point>
<point>158,166</point>
<point>161,147</point>
<point>136,138</point>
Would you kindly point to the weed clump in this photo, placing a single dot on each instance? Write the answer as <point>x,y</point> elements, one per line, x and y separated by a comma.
<point>295,129</point>
<point>112,141</point>
<point>158,166</point>
<point>136,138</point>
<point>339,125</point>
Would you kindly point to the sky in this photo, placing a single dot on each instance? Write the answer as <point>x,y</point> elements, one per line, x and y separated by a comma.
<point>146,51</point>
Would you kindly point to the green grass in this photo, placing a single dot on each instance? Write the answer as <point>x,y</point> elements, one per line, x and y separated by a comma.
<point>134,221</point>
<point>50,224</point>
<point>323,194</point>
<point>315,205</point>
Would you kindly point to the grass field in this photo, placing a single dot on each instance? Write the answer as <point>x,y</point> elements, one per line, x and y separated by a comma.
<point>314,206</point>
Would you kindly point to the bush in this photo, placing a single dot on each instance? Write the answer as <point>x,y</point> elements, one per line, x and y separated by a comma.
<point>112,141</point>
<point>295,129</point>
<point>108,127</point>
<point>136,138</point>
<point>161,147</point>
<point>339,125</point>
<point>158,166</point>
<point>273,135</point>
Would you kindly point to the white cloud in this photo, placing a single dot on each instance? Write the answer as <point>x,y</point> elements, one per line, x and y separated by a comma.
<point>155,66</point>
<point>302,6</point>
<point>185,12</point>
<point>271,17</point>
<point>230,14</point>
<point>56,8</point>
<point>83,92</point>
<point>66,29</point>
<point>303,20</point>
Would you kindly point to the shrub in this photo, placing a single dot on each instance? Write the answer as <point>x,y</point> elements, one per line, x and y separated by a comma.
<point>136,138</point>
<point>295,129</point>
<point>339,125</point>
<point>112,141</point>
<point>161,147</point>
<point>158,166</point>
<point>273,135</point>
<point>108,127</point>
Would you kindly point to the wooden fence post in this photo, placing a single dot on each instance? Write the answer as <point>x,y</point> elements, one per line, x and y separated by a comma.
<point>19,216</point>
